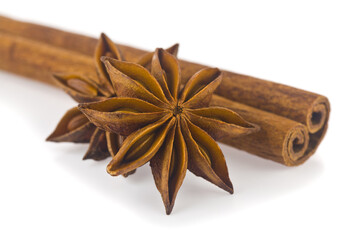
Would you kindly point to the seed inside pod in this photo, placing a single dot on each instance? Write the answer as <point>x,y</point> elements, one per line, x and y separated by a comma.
<point>126,110</point>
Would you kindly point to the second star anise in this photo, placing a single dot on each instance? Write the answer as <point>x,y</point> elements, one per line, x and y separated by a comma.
<point>171,129</point>
<point>74,126</point>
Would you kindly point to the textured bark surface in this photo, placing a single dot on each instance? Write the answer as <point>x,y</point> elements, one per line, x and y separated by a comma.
<point>37,60</point>
<point>36,51</point>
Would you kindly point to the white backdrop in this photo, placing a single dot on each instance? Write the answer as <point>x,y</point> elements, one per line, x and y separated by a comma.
<point>48,192</point>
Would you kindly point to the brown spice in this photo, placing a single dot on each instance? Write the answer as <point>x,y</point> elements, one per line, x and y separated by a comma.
<point>310,109</point>
<point>170,128</point>
<point>280,139</point>
<point>83,89</point>
<point>274,141</point>
<point>304,107</point>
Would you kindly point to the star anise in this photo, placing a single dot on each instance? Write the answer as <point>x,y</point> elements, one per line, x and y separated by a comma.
<point>172,129</point>
<point>74,126</point>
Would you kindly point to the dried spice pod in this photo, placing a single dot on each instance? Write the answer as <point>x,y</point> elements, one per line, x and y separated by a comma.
<point>123,115</point>
<point>169,167</point>
<point>114,142</point>
<point>73,127</point>
<point>219,118</point>
<point>146,59</point>
<point>310,109</point>
<point>105,47</point>
<point>84,89</point>
<point>98,148</point>
<point>152,112</point>
<point>80,88</point>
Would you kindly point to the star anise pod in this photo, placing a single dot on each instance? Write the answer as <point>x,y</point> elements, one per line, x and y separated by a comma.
<point>74,126</point>
<point>172,129</point>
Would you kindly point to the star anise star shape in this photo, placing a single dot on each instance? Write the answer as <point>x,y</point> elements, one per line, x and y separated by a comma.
<point>171,129</point>
<point>74,126</point>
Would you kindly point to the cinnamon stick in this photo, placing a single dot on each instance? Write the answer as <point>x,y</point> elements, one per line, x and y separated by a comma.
<point>304,107</point>
<point>280,139</point>
<point>38,60</point>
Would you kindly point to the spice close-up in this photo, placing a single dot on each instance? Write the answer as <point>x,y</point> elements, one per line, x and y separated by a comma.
<point>295,129</point>
<point>151,126</point>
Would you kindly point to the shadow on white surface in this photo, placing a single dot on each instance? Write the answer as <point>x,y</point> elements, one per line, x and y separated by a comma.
<point>255,180</point>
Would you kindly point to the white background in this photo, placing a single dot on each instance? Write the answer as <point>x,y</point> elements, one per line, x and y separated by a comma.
<point>48,192</point>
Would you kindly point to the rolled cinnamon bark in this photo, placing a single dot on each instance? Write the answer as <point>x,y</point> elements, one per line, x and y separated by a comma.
<point>62,39</point>
<point>38,60</point>
<point>302,106</point>
<point>305,107</point>
<point>280,139</point>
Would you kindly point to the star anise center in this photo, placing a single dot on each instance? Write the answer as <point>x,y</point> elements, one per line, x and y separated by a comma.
<point>177,109</point>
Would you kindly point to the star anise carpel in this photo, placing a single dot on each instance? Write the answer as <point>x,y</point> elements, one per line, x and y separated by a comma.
<point>74,126</point>
<point>170,127</point>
